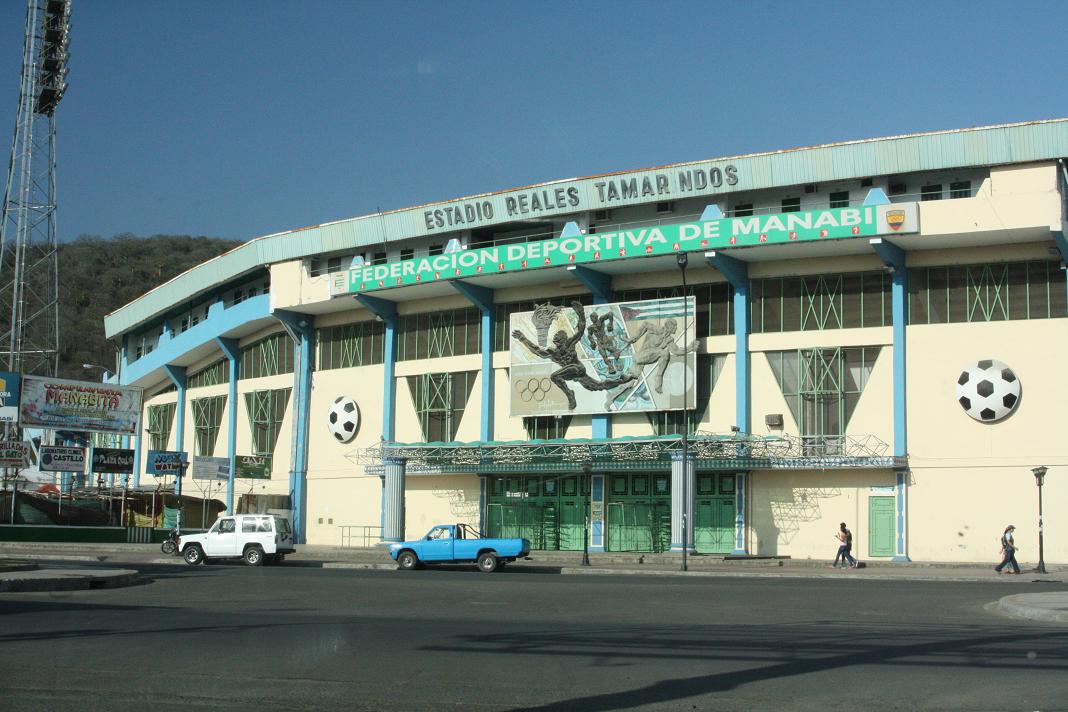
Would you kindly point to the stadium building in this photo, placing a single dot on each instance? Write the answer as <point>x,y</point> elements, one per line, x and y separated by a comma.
<point>731,355</point>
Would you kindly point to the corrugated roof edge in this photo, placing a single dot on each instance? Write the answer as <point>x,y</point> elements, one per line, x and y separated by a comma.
<point>114,323</point>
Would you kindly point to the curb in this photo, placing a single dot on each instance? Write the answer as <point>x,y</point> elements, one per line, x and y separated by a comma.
<point>1034,606</point>
<point>69,580</point>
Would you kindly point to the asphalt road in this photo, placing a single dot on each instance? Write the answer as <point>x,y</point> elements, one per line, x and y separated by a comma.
<point>291,637</point>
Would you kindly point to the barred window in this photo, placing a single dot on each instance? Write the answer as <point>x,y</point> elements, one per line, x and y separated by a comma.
<point>715,314</point>
<point>671,422</point>
<point>215,374</point>
<point>840,199</point>
<point>351,345</point>
<point>440,400</point>
<point>547,427</point>
<point>207,416</point>
<point>453,332</point>
<point>160,419</point>
<point>995,292</point>
<point>266,410</point>
<point>268,357</point>
<point>830,301</point>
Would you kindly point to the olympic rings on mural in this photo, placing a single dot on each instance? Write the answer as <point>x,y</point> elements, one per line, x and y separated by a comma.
<point>533,389</point>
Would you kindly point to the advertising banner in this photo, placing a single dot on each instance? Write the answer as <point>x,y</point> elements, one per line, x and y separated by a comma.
<point>606,358</point>
<point>9,397</point>
<point>720,234</point>
<point>78,405</point>
<point>253,467</point>
<point>118,460</point>
<point>202,467</point>
<point>55,458</point>
<point>164,462</point>
<point>14,453</point>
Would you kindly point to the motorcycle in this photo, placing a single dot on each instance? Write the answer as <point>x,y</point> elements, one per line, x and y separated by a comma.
<point>170,544</point>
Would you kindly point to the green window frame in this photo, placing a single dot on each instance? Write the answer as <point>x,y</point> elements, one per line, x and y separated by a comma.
<point>160,420</point>
<point>451,332</point>
<point>987,292</point>
<point>266,410</point>
<point>350,345</point>
<point>214,375</point>
<point>817,302</point>
<point>547,427</point>
<point>440,400</point>
<point>271,356</point>
<point>207,417</point>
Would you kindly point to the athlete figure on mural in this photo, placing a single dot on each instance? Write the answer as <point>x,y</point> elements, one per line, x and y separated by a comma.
<point>563,354</point>
<point>658,348</point>
<point>602,338</point>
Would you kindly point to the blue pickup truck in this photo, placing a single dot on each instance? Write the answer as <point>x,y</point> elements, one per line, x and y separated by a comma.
<point>458,544</point>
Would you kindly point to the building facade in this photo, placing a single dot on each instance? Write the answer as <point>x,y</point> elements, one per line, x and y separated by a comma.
<point>873,337</point>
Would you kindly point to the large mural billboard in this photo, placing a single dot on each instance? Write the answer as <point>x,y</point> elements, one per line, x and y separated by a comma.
<point>606,358</point>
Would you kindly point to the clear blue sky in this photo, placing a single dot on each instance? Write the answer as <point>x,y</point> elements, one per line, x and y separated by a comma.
<point>238,119</point>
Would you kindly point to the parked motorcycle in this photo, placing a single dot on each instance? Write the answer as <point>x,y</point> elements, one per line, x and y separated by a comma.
<point>170,544</point>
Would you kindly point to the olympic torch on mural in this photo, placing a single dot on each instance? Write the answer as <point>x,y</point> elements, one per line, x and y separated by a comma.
<point>606,358</point>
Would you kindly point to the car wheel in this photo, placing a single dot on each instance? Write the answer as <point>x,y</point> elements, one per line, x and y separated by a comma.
<point>253,556</point>
<point>407,560</point>
<point>193,554</point>
<point>487,562</point>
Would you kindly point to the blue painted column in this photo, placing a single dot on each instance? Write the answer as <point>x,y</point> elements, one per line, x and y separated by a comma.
<point>600,286</point>
<point>737,274</point>
<point>597,513</point>
<point>233,356</point>
<point>682,486</point>
<point>301,329</point>
<point>893,257</point>
<point>483,299</point>
<point>178,378</point>
<point>741,481</point>
<point>392,496</point>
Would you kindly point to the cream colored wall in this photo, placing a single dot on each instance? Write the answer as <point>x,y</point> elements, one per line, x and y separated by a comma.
<point>796,513</point>
<point>439,499</point>
<point>971,479</point>
<point>1018,196</point>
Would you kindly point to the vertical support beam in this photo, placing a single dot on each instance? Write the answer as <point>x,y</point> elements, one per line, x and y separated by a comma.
<point>682,486</point>
<point>393,511</point>
<point>737,274</point>
<point>233,355</point>
<point>1059,237</point>
<point>301,329</point>
<point>741,480</point>
<point>178,378</point>
<point>600,286</point>
<point>597,491</point>
<point>482,298</point>
<point>483,489</point>
<point>386,311</point>
<point>893,257</point>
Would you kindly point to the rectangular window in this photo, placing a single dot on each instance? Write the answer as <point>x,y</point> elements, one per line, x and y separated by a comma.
<point>333,264</point>
<point>743,210</point>
<point>960,189</point>
<point>791,205</point>
<point>214,375</point>
<point>817,302</point>
<point>840,199</point>
<point>437,250</point>
<point>350,345</point>
<point>979,293</point>
<point>548,427</point>
<point>407,253</point>
<point>898,188</point>
<point>454,332</point>
<point>207,417</point>
<point>931,192</point>
<point>380,258</point>
<point>440,400</point>
<point>271,356</point>
<point>160,418</point>
<point>266,410</point>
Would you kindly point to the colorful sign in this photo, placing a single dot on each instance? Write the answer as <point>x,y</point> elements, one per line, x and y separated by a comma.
<point>203,467</point>
<point>164,462</point>
<point>56,458</point>
<point>78,405</point>
<point>722,234</point>
<point>118,460</point>
<point>253,467</point>
<point>9,397</point>
<point>14,453</point>
<point>607,358</point>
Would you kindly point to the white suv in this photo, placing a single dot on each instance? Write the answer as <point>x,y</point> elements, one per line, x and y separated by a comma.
<point>255,538</point>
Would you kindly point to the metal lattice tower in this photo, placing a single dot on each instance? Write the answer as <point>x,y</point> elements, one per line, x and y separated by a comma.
<point>29,266</point>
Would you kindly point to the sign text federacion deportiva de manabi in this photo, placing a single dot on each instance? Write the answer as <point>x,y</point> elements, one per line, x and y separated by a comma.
<point>750,231</point>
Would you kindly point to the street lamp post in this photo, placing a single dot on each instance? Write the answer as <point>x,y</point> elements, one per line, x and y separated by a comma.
<point>1040,475</point>
<point>107,371</point>
<point>683,260</point>
<point>586,469</point>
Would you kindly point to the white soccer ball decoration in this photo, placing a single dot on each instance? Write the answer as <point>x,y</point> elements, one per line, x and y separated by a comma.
<point>988,390</point>
<point>343,420</point>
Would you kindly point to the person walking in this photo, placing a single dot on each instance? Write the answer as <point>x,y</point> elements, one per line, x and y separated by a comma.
<point>1008,552</point>
<point>845,546</point>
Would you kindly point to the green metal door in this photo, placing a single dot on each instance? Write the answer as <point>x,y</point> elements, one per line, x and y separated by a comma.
<point>638,512</point>
<point>881,527</point>
<point>714,513</point>
<point>546,510</point>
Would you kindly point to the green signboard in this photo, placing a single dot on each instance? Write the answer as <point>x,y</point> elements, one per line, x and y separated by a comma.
<point>253,467</point>
<point>586,249</point>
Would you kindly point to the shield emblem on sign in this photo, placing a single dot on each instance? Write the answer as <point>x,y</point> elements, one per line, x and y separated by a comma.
<point>895,219</point>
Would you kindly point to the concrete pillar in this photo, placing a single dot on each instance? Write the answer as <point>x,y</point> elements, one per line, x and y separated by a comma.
<point>393,499</point>
<point>682,486</point>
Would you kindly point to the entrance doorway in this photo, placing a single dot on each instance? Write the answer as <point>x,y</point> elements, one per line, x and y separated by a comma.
<point>546,510</point>
<point>714,513</point>
<point>638,512</point>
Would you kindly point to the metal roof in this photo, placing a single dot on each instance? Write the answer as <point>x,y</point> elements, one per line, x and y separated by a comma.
<point>958,148</point>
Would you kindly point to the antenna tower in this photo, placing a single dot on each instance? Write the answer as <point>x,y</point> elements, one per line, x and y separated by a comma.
<point>29,265</point>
